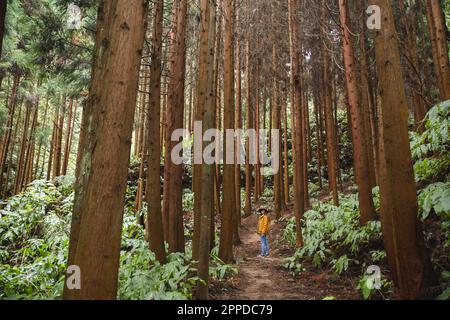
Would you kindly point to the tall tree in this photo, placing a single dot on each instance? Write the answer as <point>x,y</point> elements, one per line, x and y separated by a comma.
<point>327,105</point>
<point>67,138</point>
<point>441,46</point>
<point>410,29</point>
<point>153,185</point>
<point>3,7</point>
<point>360,153</point>
<point>172,207</point>
<point>229,218</point>
<point>295,97</point>
<point>248,123</point>
<point>238,119</point>
<point>206,99</point>
<point>402,231</point>
<point>276,119</point>
<point>104,150</point>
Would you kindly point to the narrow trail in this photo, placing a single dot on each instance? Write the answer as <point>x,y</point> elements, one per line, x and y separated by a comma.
<point>265,279</point>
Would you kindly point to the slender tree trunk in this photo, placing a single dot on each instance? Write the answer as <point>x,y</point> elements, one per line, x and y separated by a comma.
<point>153,184</point>
<point>6,139</point>
<point>305,135</point>
<point>238,123</point>
<point>36,169</point>
<point>206,102</point>
<point>276,126</point>
<point>434,48</point>
<point>286,150</point>
<point>13,145</point>
<point>366,101</point>
<point>3,6</point>
<point>442,46</point>
<point>257,193</point>
<point>217,115</point>
<point>143,142</point>
<point>52,149</point>
<point>319,137</point>
<point>57,152</point>
<point>104,154</point>
<point>360,153</point>
<point>74,117</point>
<point>330,133</point>
<point>172,208</point>
<point>297,130</point>
<point>249,117</point>
<point>67,140</point>
<point>229,201</point>
<point>412,58</point>
<point>21,162</point>
<point>28,164</point>
<point>276,119</point>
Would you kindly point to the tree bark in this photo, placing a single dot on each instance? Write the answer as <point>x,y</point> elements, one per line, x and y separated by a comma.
<point>172,207</point>
<point>153,183</point>
<point>104,152</point>
<point>360,153</point>
<point>67,140</point>
<point>248,121</point>
<point>402,231</point>
<point>3,8</point>
<point>297,130</point>
<point>442,46</point>
<point>206,100</point>
<point>229,201</point>
<point>329,122</point>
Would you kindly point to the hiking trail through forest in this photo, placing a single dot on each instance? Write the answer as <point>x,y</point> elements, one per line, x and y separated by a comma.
<point>265,279</point>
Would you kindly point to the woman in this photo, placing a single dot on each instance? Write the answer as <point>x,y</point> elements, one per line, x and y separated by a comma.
<point>263,230</point>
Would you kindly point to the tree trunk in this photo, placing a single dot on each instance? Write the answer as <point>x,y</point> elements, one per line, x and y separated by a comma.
<point>276,119</point>
<point>206,102</point>
<point>6,139</point>
<point>402,231</point>
<point>330,134</point>
<point>297,130</point>
<point>3,6</point>
<point>286,150</point>
<point>172,207</point>
<point>52,149</point>
<point>360,153</point>
<point>248,120</point>
<point>412,58</point>
<point>67,140</point>
<point>153,185</point>
<point>229,201</point>
<point>442,47</point>
<point>28,164</point>
<point>238,124</point>
<point>21,162</point>
<point>104,154</point>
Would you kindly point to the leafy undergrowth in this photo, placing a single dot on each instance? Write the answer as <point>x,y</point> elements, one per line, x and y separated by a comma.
<point>333,237</point>
<point>34,240</point>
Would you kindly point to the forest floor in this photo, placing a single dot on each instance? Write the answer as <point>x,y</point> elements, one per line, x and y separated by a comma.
<point>265,279</point>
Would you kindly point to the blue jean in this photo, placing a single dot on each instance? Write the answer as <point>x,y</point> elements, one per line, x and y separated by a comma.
<point>264,246</point>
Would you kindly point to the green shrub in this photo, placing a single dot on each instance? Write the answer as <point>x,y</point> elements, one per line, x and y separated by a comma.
<point>34,242</point>
<point>435,140</point>
<point>333,235</point>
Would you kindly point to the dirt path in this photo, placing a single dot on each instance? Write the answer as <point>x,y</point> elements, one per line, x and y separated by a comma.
<point>265,279</point>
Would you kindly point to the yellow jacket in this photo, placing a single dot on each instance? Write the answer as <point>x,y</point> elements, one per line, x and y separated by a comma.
<point>263,225</point>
